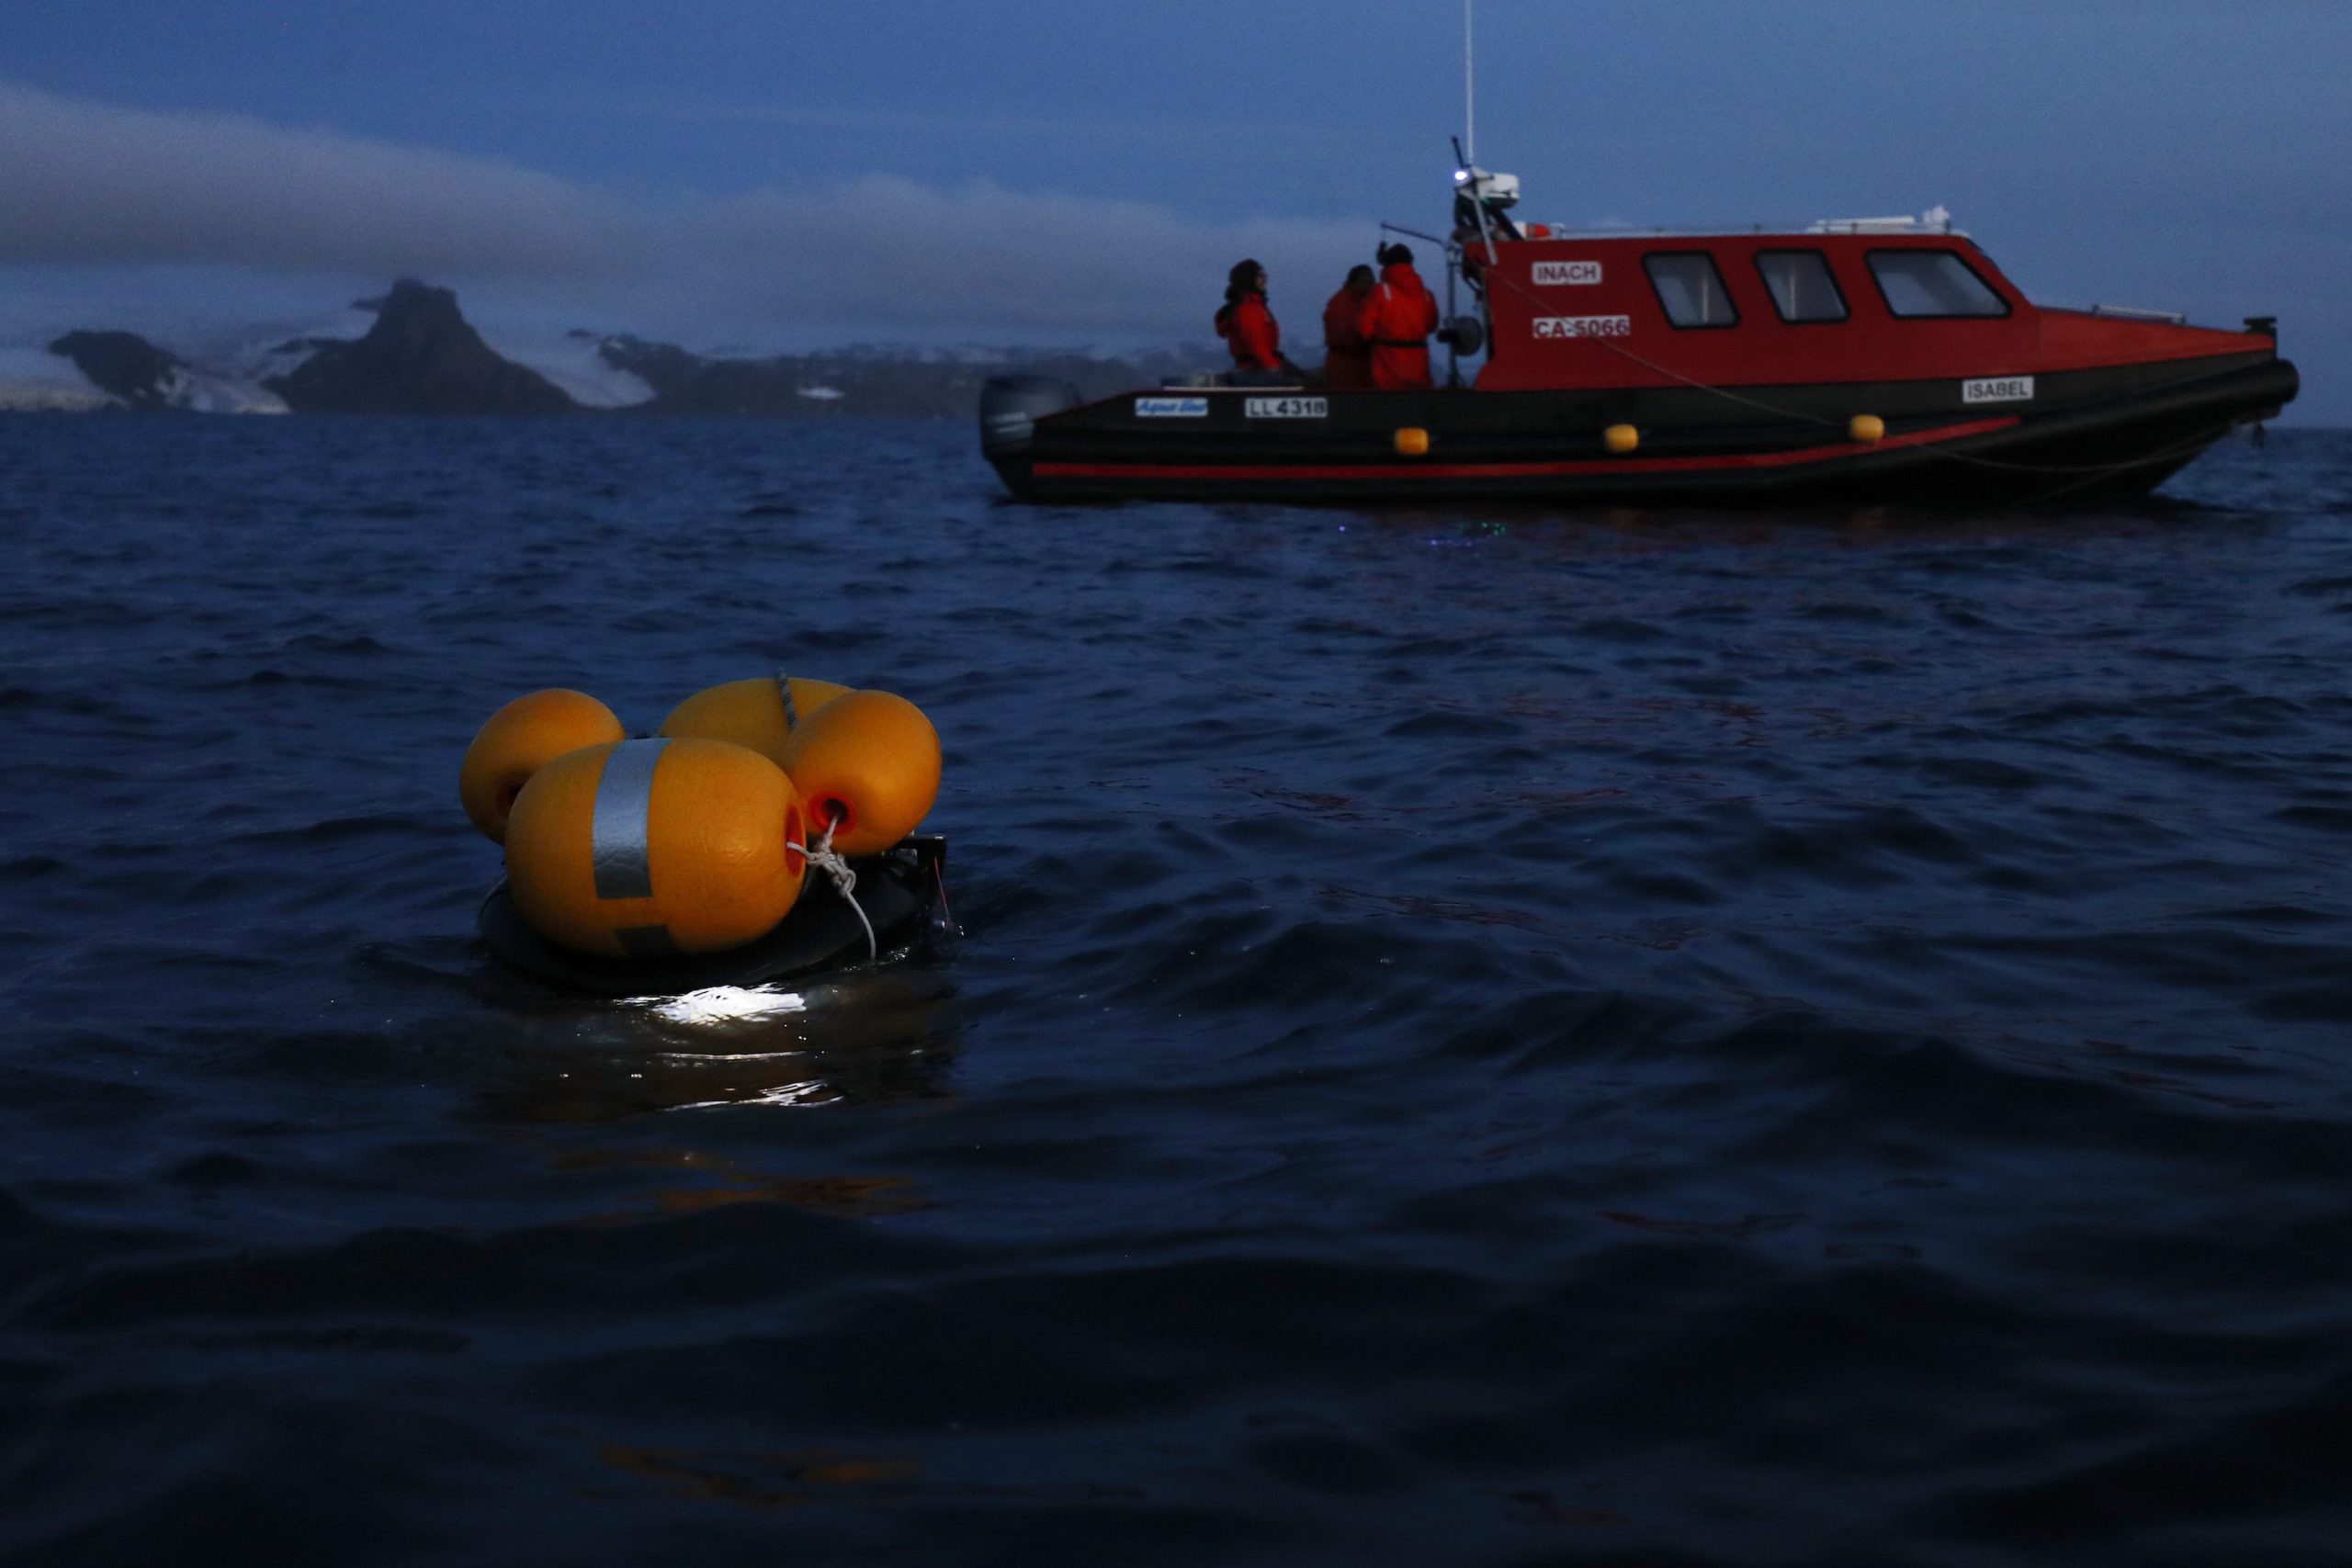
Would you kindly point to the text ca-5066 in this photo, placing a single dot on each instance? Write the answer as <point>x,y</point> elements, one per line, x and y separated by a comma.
<point>1584,326</point>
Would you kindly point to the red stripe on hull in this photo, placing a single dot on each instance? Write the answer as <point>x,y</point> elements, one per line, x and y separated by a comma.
<point>1509,470</point>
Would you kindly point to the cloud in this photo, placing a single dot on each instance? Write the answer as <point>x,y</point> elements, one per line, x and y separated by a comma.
<point>87,183</point>
<point>979,257</point>
<point>1156,133</point>
<point>95,192</point>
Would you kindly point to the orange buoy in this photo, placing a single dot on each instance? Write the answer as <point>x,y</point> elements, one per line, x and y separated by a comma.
<point>1866,429</point>
<point>517,741</point>
<point>1621,439</point>
<point>868,764</point>
<point>1412,441</point>
<point>645,848</point>
<point>761,714</point>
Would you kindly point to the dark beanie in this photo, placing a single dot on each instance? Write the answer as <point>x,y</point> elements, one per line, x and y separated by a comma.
<point>1396,256</point>
<point>1244,275</point>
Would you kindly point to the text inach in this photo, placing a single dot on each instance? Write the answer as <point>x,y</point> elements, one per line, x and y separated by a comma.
<point>1567,274</point>
<point>1584,326</point>
<point>1998,390</point>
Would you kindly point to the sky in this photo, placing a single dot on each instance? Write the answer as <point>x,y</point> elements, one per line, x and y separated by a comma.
<point>768,175</point>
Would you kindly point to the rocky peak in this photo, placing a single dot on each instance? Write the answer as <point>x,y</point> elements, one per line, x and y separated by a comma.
<point>123,364</point>
<point>421,356</point>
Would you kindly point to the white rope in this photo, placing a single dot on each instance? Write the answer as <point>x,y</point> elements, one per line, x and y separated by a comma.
<point>827,860</point>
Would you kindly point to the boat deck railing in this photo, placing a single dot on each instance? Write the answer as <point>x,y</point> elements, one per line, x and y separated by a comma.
<point>1724,230</point>
<point>2118,312</point>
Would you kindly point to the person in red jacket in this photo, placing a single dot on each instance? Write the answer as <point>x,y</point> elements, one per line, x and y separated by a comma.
<point>1247,327</point>
<point>1347,359</point>
<point>1397,317</point>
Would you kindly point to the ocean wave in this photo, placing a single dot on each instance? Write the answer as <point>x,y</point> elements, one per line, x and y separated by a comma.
<point>1507,1037</point>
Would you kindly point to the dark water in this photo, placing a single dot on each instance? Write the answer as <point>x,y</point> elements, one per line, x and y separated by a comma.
<point>1476,1038</point>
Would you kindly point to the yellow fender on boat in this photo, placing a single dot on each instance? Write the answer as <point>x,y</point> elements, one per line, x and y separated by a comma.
<point>517,741</point>
<point>761,714</point>
<point>867,762</point>
<point>1621,439</point>
<point>1866,429</point>
<point>647,848</point>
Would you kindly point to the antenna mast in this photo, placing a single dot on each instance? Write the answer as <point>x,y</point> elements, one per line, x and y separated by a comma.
<point>1469,89</point>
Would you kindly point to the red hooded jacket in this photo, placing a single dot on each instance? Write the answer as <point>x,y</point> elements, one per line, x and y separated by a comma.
<point>1347,362</point>
<point>1398,317</point>
<point>1249,331</point>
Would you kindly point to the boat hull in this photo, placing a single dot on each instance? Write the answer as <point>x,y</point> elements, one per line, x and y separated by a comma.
<point>2099,432</point>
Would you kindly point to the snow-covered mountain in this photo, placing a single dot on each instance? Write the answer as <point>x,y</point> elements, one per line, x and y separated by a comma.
<point>206,391</point>
<point>122,370</point>
<point>574,362</point>
<point>412,351</point>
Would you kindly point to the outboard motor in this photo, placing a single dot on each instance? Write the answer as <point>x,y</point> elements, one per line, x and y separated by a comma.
<point>1010,408</point>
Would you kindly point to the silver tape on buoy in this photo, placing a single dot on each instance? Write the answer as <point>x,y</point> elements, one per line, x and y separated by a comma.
<point>648,942</point>
<point>622,820</point>
<point>791,714</point>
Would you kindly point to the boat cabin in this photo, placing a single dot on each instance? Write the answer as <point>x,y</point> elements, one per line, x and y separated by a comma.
<point>1863,302</point>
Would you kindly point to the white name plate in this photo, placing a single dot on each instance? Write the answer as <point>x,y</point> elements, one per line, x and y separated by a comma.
<point>1286,407</point>
<point>1998,390</point>
<point>1566,273</point>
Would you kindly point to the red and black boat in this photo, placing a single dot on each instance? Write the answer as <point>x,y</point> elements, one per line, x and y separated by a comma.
<point>1862,361</point>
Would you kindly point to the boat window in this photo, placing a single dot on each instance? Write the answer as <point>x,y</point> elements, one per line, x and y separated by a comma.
<point>1801,285</point>
<point>1692,290</point>
<point>1933,283</point>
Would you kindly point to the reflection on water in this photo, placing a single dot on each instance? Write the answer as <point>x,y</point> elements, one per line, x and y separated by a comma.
<point>866,1036</point>
<point>765,1480</point>
<point>711,1179</point>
